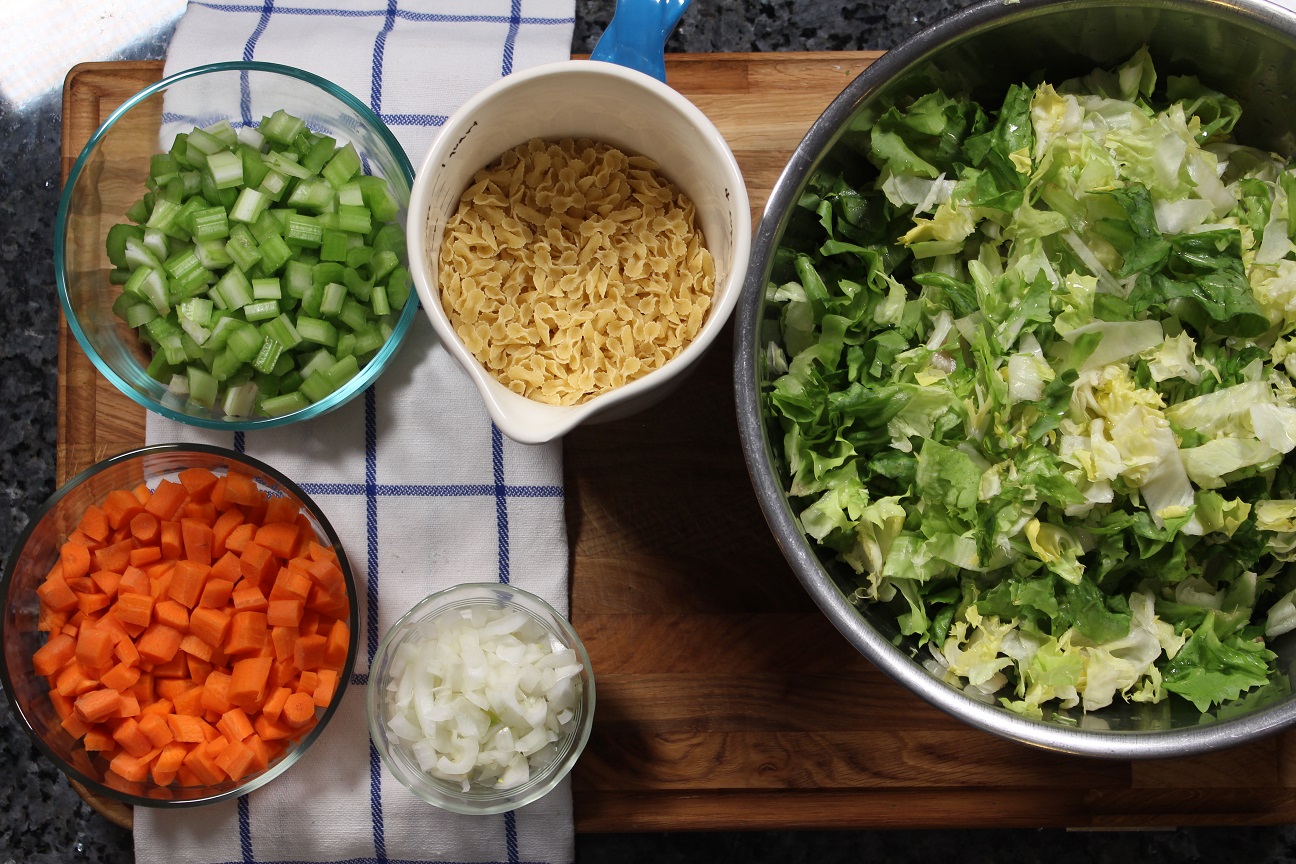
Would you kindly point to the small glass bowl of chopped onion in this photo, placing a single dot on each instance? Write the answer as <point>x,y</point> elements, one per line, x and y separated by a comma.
<point>481,698</point>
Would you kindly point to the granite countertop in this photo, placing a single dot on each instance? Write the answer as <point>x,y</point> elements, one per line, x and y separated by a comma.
<point>43,820</point>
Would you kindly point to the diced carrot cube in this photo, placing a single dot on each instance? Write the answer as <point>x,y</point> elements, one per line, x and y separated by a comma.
<point>94,647</point>
<point>197,538</point>
<point>51,656</point>
<point>158,644</point>
<point>95,705</point>
<point>172,614</point>
<point>216,593</point>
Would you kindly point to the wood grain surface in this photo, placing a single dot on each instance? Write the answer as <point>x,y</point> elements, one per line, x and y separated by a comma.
<point>726,700</point>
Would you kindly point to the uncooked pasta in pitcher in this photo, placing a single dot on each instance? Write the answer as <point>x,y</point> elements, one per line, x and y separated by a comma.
<point>571,268</point>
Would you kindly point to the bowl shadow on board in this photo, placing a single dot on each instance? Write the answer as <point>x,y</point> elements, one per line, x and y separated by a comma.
<point>665,492</point>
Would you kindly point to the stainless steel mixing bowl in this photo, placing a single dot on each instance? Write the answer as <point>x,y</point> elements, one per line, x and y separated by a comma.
<point>1244,48</point>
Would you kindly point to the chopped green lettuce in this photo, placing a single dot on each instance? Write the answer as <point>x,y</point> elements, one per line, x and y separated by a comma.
<point>1033,368</point>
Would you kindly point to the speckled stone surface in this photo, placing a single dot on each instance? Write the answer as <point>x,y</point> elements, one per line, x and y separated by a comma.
<point>42,821</point>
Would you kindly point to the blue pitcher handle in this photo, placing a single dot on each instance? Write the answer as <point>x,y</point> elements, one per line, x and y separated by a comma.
<point>637,34</point>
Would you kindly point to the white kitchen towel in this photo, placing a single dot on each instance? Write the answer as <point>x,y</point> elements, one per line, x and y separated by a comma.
<point>423,489</point>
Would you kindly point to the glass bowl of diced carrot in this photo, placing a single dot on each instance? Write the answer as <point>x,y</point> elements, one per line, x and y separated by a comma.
<point>229,248</point>
<point>179,625</point>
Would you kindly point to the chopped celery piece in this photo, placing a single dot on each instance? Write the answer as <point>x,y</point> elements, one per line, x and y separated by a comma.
<point>267,288</point>
<point>245,342</point>
<point>268,356</point>
<point>327,271</point>
<point>312,194</point>
<point>388,237</point>
<point>368,340</point>
<point>351,194</point>
<point>317,330</point>
<point>282,127</point>
<point>250,204</point>
<point>226,169</point>
<point>342,167</point>
<point>223,131</point>
<point>116,242</point>
<point>275,252</point>
<point>319,154</point>
<point>379,199</point>
<point>353,314</point>
<point>287,403</point>
<point>296,279</point>
<point>303,229</point>
<point>235,289</point>
<point>273,183</point>
<point>240,399</point>
<point>197,332</point>
<point>359,256</point>
<point>283,329</point>
<point>254,167</point>
<point>334,296</point>
<point>156,242</point>
<point>139,211</point>
<point>345,345</point>
<point>149,284</point>
<point>378,300</point>
<point>159,369</point>
<point>333,246</point>
<point>205,142</point>
<point>317,362</point>
<point>242,247</point>
<point>208,223</point>
<point>203,387</point>
<point>398,287</point>
<point>354,219</point>
<point>252,137</point>
<point>225,364</point>
<point>285,164</point>
<point>317,386</point>
<point>342,371</point>
<point>359,287</point>
<point>212,253</point>
<point>221,330</point>
<point>261,310</point>
<point>196,309</point>
<point>382,263</point>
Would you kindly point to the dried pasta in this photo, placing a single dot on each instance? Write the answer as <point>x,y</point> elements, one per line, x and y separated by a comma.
<point>571,268</point>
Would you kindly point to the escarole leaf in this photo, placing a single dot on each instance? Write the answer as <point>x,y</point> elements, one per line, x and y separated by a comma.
<point>1032,384</point>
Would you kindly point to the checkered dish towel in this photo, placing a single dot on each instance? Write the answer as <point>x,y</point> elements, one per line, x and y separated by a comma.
<point>422,488</point>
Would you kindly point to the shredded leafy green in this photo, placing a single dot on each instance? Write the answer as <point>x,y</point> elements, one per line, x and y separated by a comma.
<point>1032,370</point>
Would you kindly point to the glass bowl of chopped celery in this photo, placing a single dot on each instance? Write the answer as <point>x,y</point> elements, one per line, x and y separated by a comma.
<point>481,698</point>
<point>179,626</point>
<point>1013,377</point>
<point>229,247</point>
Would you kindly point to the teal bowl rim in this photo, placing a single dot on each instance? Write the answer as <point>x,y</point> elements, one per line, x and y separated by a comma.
<point>9,563</point>
<point>368,373</point>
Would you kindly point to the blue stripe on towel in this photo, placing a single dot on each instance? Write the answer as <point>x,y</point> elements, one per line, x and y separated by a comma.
<point>380,48</point>
<point>245,89</point>
<point>501,502</point>
<point>245,830</point>
<point>371,644</point>
<point>515,20</point>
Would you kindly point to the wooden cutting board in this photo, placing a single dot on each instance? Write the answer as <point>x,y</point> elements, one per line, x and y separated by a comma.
<point>726,700</point>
